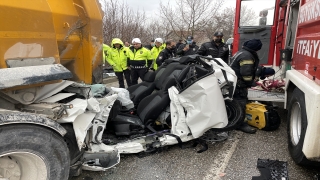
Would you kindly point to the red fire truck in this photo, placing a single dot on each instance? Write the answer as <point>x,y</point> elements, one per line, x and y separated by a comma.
<point>290,33</point>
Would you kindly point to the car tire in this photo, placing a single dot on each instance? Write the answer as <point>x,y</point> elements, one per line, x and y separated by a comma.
<point>235,115</point>
<point>30,151</point>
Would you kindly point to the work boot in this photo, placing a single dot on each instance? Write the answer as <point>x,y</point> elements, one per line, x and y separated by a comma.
<point>244,127</point>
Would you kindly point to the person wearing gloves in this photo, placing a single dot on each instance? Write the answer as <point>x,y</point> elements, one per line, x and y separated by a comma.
<point>216,48</point>
<point>117,58</point>
<point>262,73</point>
<point>159,46</point>
<point>187,49</point>
<point>139,59</point>
<point>245,63</point>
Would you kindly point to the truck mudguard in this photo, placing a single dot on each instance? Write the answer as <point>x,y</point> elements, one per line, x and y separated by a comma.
<point>10,117</point>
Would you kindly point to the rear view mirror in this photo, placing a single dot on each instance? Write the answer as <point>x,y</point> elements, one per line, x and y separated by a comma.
<point>229,41</point>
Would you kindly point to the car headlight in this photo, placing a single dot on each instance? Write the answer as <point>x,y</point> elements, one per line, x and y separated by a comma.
<point>227,91</point>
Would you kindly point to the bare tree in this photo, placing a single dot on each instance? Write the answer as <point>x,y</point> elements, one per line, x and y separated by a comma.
<point>247,16</point>
<point>225,19</point>
<point>185,17</point>
<point>189,15</point>
<point>157,28</point>
<point>119,21</point>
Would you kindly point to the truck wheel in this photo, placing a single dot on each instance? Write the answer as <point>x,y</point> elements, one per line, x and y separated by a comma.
<point>296,127</point>
<point>70,139</point>
<point>32,152</point>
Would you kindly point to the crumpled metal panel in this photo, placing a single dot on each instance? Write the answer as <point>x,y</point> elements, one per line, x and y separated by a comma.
<point>35,94</point>
<point>11,117</point>
<point>11,77</point>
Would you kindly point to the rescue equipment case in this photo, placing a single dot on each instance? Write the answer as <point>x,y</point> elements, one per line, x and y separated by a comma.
<point>262,116</point>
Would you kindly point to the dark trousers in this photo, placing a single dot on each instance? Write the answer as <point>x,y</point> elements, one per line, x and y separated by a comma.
<point>241,96</point>
<point>126,75</point>
<point>136,73</point>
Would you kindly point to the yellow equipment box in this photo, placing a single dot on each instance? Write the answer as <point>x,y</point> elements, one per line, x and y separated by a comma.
<point>262,116</point>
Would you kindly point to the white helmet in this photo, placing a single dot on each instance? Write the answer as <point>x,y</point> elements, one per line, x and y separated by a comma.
<point>136,40</point>
<point>158,40</point>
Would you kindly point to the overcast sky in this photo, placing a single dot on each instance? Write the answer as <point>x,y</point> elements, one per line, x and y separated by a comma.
<point>152,6</point>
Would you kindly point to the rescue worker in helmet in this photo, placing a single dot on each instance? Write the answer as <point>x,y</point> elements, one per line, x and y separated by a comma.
<point>215,48</point>
<point>139,59</point>
<point>117,58</point>
<point>187,49</point>
<point>158,47</point>
<point>245,63</point>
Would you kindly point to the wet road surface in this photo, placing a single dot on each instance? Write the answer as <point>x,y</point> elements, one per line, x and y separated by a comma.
<point>233,159</point>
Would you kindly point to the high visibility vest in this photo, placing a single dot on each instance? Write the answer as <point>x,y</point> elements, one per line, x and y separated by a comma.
<point>139,58</point>
<point>105,50</point>
<point>155,51</point>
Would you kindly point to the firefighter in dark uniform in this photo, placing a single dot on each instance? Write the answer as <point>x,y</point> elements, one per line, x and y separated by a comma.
<point>167,53</point>
<point>187,49</point>
<point>216,48</point>
<point>139,59</point>
<point>245,63</point>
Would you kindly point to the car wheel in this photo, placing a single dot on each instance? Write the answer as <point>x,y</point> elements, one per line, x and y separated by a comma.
<point>235,115</point>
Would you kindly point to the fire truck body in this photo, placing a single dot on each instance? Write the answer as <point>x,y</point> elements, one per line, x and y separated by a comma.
<point>303,80</point>
<point>290,34</point>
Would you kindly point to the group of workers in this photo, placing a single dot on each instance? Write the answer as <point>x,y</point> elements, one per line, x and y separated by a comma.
<point>133,61</point>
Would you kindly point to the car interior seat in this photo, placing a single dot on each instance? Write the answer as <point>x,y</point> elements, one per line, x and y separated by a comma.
<point>143,89</point>
<point>152,81</point>
<point>150,107</point>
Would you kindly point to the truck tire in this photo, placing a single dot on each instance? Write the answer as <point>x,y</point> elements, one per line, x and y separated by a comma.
<point>70,139</point>
<point>32,152</point>
<point>296,127</point>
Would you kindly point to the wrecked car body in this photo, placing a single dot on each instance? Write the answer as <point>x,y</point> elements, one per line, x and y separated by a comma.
<point>193,102</point>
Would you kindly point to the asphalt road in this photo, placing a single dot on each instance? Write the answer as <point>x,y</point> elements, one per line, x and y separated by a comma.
<point>233,159</point>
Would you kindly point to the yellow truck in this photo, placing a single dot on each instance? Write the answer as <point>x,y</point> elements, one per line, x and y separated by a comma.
<point>57,120</point>
<point>42,44</point>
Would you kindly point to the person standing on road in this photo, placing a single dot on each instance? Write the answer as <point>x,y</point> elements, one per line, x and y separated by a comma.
<point>179,43</point>
<point>117,58</point>
<point>177,46</point>
<point>151,45</point>
<point>245,63</point>
<point>167,53</point>
<point>216,48</point>
<point>187,49</point>
<point>127,44</point>
<point>159,46</point>
<point>139,59</point>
